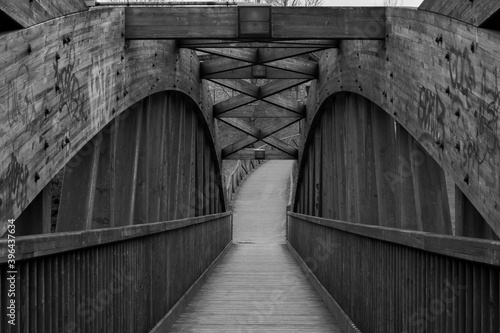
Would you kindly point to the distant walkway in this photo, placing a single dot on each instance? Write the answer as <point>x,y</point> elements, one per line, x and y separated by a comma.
<point>258,286</point>
<point>259,211</point>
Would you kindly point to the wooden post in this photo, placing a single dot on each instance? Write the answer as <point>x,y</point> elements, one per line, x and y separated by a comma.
<point>468,221</point>
<point>403,183</point>
<point>142,183</point>
<point>431,195</point>
<point>318,170</point>
<point>36,218</point>
<point>364,171</point>
<point>155,153</point>
<point>384,141</point>
<point>351,159</point>
<point>340,156</point>
<point>329,197</point>
<point>125,172</point>
<point>77,195</point>
<point>101,217</point>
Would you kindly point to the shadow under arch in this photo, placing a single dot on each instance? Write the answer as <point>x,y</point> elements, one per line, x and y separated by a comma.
<point>360,165</point>
<point>155,161</point>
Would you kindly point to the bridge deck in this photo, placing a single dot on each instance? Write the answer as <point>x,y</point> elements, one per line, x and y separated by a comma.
<point>258,286</point>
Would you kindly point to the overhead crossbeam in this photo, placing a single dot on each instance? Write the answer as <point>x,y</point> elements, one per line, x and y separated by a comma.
<point>260,135</point>
<point>287,23</point>
<point>209,43</point>
<point>255,132</point>
<point>243,99</point>
<point>224,67</point>
<point>263,110</point>
<point>259,55</point>
<point>260,92</point>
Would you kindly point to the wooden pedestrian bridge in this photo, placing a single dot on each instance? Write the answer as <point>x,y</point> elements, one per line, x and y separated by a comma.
<point>386,218</point>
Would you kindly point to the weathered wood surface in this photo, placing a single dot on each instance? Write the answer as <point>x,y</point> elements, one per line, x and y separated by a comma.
<point>269,155</point>
<point>452,110</point>
<point>112,188</point>
<point>363,168</point>
<point>287,23</point>
<point>477,250</point>
<point>28,13</point>
<point>123,279</point>
<point>257,287</point>
<point>393,281</point>
<point>473,12</point>
<point>35,246</point>
<point>64,80</point>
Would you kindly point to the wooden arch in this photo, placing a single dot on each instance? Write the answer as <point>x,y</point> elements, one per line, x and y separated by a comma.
<point>438,78</point>
<point>65,79</point>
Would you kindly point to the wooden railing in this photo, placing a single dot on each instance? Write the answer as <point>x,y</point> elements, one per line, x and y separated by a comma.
<point>242,168</point>
<point>390,280</point>
<point>109,280</point>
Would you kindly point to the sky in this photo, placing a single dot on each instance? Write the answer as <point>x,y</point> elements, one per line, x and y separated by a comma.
<point>342,3</point>
<point>351,3</point>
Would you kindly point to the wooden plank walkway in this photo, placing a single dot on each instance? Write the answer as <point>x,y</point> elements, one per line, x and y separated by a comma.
<point>258,286</point>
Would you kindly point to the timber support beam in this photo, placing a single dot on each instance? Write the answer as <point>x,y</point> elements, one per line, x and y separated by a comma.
<point>286,23</point>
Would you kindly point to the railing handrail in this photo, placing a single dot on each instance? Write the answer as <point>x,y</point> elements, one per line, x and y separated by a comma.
<point>34,246</point>
<point>472,249</point>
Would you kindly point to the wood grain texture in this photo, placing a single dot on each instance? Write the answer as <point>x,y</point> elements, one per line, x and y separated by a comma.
<point>472,12</point>
<point>79,75</point>
<point>391,281</point>
<point>121,278</point>
<point>257,287</point>
<point>452,111</point>
<point>28,13</point>
<point>287,23</point>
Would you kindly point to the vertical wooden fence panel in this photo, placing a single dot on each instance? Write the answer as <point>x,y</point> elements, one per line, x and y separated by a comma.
<point>468,221</point>
<point>431,196</point>
<point>156,114</point>
<point>126,166</point>
<point>35,219</point>
<point>370,170</point>
<point>102,205</point>
<point>384,141</point>
<point>77,196</point>
<point>389,280</point>
<point>99,281</point>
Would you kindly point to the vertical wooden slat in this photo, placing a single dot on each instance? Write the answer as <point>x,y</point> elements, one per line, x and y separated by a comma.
<point>318,173</point>
<point>155,153</point>
<point>101,217</point>
<point>431,196</point>
<point>126,166</point>
<point>35,219</point>
<point>385,167</point>
<point>77,196</point>
<point>405,190</point>
<point>494,294</point>
<point>142,183</point>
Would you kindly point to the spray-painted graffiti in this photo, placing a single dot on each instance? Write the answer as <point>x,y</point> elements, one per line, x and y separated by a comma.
<point>20,100</point>
<point>15,182</point>
<point>462,76</point>
<point>68,88</point>
<point>479,148</point>
<point>99,89</point>
<point>431,113</point>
